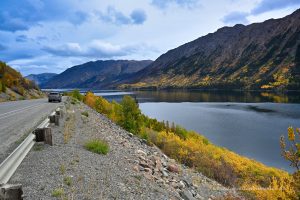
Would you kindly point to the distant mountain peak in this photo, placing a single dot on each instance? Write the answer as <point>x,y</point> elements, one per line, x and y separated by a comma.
<point>97,74</point>
<point>256,56</point>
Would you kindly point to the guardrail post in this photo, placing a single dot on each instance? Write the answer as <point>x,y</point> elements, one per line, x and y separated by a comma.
<point>48,136</point>
<point>43,135</point>
<point>11,192</point>
<point>54,119</point>
<point>59,112</point>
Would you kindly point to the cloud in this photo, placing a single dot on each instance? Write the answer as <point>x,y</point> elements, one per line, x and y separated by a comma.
<point>95,49</point>
<point>270,5</point>
<point>20,15</point>
<point>11,23</point>
<point>2,47</point>
<point>78,17</point>
<point>112,15</point>
<point>22,38</point>
<point>262,7</point>
<point>162,4</point>
<point>236,18</point>
<point>138,16</point>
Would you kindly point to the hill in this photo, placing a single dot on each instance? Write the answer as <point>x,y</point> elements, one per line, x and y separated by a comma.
<point>98,74</point>
<point>40,79</point>
<point>13,86</point>
<point>257,56</point>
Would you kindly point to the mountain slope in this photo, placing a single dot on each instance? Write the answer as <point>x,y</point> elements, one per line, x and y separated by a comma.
<point>13,86</point>
<point>98,74</point>
<point>261,55</point>
<point>40,79</point>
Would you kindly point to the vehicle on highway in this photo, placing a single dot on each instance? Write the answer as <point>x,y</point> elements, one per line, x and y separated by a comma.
<point>54,96</point>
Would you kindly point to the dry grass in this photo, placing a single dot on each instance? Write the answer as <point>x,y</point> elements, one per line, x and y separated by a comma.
<point>69,126</point>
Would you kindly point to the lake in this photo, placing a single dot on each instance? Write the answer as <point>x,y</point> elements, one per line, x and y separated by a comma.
<point>249,124</point>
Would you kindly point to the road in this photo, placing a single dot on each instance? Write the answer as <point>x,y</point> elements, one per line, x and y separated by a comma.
<point>18,118</point>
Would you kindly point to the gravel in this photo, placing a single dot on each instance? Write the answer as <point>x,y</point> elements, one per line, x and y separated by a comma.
<point>130,170</point>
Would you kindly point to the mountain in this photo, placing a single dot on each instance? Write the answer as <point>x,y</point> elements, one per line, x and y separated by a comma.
<point>13,86</point>
<point>40,79</point>
<point>257,56</point>
<point>99,74</point>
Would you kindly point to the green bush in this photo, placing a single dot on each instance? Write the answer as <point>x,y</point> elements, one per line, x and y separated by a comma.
<point>59,192</point>
<point>85,113</point>
<point>132,117</point>
<point>76,95</point>
<point>97,146</point>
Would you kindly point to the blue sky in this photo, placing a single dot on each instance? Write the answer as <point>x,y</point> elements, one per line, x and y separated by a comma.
<point>51,35</point>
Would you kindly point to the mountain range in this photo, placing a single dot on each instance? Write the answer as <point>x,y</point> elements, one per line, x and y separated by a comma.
<point>40,79</point>
<point>96,74</point>
<point>257,56</point>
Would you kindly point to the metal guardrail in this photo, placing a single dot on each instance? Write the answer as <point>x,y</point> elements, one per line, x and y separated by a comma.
<point>11,163</point>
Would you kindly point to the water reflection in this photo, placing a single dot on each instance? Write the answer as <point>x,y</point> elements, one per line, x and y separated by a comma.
<point>209,96</point>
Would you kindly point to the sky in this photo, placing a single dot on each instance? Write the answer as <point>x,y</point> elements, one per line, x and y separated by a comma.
<point>38,36</point>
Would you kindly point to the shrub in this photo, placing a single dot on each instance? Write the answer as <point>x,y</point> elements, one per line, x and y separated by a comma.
<point>194,150</point>
<point>68,180</point>
<point>97,146</point>
<point>293,153</point>
<point>85,113</point>
<point>59,192</point>
<point>76,95</point>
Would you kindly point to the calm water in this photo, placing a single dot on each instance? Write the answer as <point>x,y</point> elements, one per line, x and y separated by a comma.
<point>249,124</point>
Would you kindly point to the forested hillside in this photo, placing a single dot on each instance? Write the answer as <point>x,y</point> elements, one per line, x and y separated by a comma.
<point>257,56</point>
<point>13,86</point>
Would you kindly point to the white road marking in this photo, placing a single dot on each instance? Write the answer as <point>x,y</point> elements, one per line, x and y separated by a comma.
<point>11,113</point>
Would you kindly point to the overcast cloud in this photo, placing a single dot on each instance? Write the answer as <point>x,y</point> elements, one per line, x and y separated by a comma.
<point>52,35</point>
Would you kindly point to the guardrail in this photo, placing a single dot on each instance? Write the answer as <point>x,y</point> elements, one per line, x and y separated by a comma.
<point>11,163</point>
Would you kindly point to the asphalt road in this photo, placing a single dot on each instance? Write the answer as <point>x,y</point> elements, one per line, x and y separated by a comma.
<point>18,118</point>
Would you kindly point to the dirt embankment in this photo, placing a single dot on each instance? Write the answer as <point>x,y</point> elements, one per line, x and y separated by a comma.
<point>130,170</point>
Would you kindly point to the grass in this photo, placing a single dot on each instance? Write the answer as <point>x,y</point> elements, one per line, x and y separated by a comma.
<point>38,147</point>
<point>97,146</point>
<point>68,180</point>
<point>85,113</point>
<point>62,169</point>
<point>58,192</point>
<point>69,127</point>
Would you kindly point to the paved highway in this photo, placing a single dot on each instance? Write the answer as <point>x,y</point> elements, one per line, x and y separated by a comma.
<point>18,118</point>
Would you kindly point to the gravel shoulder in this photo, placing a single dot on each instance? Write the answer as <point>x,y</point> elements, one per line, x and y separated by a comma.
<point>131,169</point>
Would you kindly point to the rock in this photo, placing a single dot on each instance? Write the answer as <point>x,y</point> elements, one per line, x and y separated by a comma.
<point>181,185</point>
<point>144,164</point>
<point>165,174</point>
<point>142,158</point>
<point>186,195</point>
<point>141,152</point>
<point>136,168</point>
<point>148,170</point>
<point>130,134</point>
<point>173,168</point>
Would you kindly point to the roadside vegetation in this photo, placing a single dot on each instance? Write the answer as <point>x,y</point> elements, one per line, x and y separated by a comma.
<point>254,179</point>
<point>97,146</point>
<point>10,78</point>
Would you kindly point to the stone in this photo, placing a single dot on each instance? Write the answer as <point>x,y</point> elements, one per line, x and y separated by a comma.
<point>130,134</point>
<point>144,164</point>
<point>136,168</point>
<point>148,170</point>
<point>165,174</point>
<point>141,152</point>
<point>142,158</point>
<point>173,168</point>
<point>186,195</point>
